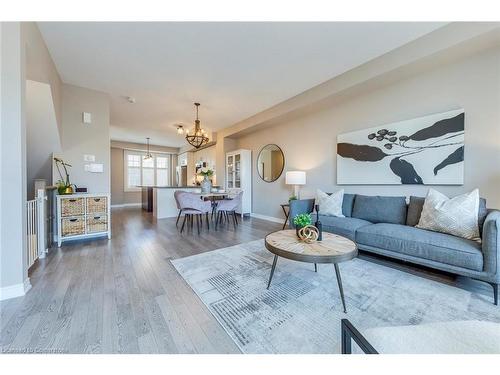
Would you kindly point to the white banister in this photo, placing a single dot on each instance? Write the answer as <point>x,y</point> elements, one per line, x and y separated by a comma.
<point>32,229</point>
<point>36,227</point>
<point>41,199</point>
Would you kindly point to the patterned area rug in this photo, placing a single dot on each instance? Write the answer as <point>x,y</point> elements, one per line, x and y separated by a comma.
<point>301,312</point>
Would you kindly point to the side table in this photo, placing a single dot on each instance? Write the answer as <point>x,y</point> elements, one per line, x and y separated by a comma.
<point>286,210</point>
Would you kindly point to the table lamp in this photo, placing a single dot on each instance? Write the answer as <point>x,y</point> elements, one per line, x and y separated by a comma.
<point>295,178</point>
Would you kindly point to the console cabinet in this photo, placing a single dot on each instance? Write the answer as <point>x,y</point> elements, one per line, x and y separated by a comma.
<point>83,216</point>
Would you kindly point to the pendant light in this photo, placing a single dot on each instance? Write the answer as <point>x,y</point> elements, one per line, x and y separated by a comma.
<point>197,138</point>
<point>148,153</point>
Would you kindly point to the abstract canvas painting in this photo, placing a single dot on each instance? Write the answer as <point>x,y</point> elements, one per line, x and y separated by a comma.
<point>426,150</point>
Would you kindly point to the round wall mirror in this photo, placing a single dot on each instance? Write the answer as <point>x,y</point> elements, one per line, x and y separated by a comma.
<point>270,163</point>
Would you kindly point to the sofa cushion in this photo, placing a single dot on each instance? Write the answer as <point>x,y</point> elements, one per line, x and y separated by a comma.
<point>434,246</point>
<point>343,226</point>
<point>330,204</point>
<point>415,209</point>
<point>347,204</point>
<point>378,209</point>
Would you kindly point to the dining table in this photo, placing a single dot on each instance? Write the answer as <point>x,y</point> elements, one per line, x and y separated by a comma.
<point>213,198</point>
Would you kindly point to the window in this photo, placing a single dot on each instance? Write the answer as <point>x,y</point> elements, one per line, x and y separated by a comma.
<point>140,171</point>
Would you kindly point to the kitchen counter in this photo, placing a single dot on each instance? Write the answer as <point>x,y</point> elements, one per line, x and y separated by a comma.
<point>149,193</point>
<point>160,199</point>
<point>170,187</point>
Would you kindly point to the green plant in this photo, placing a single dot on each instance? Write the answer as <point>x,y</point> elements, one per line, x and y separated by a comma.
<point>206,172</point>
<point>61,186</point>
<point>292,198</point>
<point>64,180</point>
<point>302,220</point>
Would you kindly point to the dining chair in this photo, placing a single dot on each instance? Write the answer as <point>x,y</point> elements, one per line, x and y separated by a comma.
<point>228,207</point>
<point>193,208</point>
<point>176,197</point>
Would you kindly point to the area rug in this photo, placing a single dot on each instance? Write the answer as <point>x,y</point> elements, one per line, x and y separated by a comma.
<point>301,312</point>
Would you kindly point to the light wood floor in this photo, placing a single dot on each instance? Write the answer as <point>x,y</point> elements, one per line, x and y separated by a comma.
<point>124,296</point>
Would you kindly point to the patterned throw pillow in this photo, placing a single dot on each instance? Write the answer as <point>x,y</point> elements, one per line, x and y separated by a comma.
<point>330,205</point>
<point>457,216</point>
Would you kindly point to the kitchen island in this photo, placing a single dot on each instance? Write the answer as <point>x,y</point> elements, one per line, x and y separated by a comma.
<point>163,199</point>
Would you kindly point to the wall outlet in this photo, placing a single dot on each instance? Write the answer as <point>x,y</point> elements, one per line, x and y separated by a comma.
<point>89,158</point>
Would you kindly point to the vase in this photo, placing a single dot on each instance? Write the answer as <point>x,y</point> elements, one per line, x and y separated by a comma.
<point>297,228</point>
<point>206,185</point>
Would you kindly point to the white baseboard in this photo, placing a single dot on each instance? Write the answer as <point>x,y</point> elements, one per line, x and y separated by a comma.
<point>268,218</point>
<point>17,290</point>
<point>126,205</point>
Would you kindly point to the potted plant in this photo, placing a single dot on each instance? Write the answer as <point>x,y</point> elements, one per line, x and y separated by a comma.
<point>206,184</point>
<point>63,185</point>
<point>301,220</point>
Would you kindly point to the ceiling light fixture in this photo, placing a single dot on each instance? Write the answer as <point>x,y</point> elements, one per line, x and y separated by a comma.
<point>197,138</point>
<point>131,99</point>
<point>180,129</point>
<point>148,153</point>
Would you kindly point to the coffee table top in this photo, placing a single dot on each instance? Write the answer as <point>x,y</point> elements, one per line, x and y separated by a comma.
<point>332,249</point>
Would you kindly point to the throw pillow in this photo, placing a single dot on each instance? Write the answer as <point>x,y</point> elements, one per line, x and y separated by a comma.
<point>457,216</point>
<point>330,205</point>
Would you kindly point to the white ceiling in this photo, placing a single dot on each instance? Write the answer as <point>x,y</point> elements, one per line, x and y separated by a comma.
<point>234,69</point>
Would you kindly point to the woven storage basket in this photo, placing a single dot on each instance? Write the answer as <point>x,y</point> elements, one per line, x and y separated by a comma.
<point>97,205</point>
<point>72,206</point>
<point>97,223</point>
<point>73,226</point>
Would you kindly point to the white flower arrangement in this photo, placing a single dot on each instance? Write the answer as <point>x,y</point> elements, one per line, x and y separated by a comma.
<point>205,172</point>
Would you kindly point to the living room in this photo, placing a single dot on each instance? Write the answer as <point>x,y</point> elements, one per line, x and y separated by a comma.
<point>325,188</point>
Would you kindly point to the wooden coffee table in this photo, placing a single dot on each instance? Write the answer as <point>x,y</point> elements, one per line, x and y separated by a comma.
<point>332,249</point>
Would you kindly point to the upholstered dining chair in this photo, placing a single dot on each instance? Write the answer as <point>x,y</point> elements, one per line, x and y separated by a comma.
<point>193,208</point>
<point>228,207</point>
<point>176,197</point>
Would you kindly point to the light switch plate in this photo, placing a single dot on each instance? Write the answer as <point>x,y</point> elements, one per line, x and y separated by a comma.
<point>96,168</point>
<point>90,158</point>
<point>87,118</point>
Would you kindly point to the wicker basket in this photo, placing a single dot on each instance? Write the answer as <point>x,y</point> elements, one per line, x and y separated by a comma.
<point>72,226</point>
<point>72,206</point>
<point>97,205</point>
<point>97,223</point>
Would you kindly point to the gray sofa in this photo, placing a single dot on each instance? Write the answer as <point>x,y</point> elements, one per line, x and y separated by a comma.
<point>386,226</point>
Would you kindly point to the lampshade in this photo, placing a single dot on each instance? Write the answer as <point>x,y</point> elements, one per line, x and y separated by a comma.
<point>295,178</point>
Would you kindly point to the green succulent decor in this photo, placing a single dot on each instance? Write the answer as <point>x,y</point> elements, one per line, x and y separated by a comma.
<point>302,220</point>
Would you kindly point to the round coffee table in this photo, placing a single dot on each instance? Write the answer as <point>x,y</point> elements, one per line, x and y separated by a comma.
<point>332,249</point>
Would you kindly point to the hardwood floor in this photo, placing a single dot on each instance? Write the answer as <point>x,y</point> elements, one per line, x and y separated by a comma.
<point>124,296</point>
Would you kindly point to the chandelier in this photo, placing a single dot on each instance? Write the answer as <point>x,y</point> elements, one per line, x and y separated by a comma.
<point>196,137</point>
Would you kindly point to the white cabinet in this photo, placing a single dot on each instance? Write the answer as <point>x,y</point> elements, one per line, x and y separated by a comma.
<point>239,177</point>
<point>82,216</point>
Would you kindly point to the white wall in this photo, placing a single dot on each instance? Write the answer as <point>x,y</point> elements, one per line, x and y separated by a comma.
<point>13,271</point>
<point>42,133</point>
<point>309,140</point>
<point>40,67</point>
<point>79,139</point>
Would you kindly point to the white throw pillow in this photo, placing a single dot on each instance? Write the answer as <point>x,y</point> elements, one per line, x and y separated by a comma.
<point>457,216</point>
<point>330,205</point>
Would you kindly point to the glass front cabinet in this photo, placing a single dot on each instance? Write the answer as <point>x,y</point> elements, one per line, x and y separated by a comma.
<point>239,177</point>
